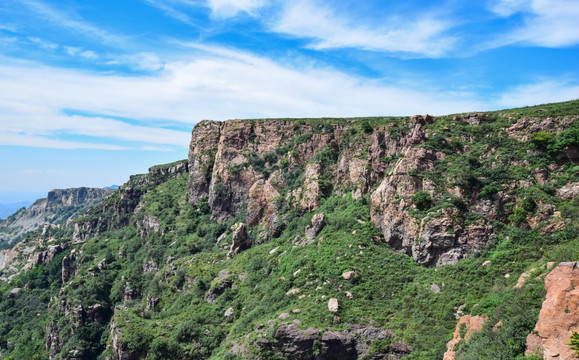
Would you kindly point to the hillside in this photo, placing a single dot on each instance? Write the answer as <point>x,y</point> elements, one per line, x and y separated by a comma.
<point>50,213</point>
<point>366,238</point>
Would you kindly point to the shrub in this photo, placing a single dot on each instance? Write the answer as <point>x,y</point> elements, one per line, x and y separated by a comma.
<point>421,199</point>
<point>542,139</point>
<point>488,191</point>
<point>367,128</point>
<point>575,342</point>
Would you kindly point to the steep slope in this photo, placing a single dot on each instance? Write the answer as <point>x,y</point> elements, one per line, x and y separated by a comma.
<point>313,239</point>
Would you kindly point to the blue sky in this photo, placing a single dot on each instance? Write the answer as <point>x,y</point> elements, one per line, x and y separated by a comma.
<point>93,91</point>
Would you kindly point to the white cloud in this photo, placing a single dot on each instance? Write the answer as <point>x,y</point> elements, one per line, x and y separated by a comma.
<point>46,45</point>
<point>80,52</point>
<point>548,23</point>
<point>541,91</point>
<point>230,8</point>
<point>508,7</point>
<point>423,36</point>
<point>220,84</point>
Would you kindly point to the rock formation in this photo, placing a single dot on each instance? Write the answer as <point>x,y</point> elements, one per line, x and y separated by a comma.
<point>57,208</point>
<point>229,166</point>
<point>241,240</point>
<point>293,343</point>
<point>467,325</point>
<point>559,316</point>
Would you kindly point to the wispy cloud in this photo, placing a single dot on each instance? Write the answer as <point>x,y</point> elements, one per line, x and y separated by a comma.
<point>539,91</point>
<point>43,44</point>
<point>221,84</point>
<point>72,22</point>
<point>76,51</point>
<point>218,83</point>
<point>547,23</point>
<point>230,8</point>
<point>168,7</point>
<point>423,36</point>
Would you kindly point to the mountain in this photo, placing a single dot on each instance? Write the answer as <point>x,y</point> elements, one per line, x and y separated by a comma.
<point>357,238</point>
<point>58,207</point>
<point>9,209</point>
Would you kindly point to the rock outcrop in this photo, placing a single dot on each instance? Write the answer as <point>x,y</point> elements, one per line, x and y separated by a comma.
<point>241,240</point>
<point>250,164</point>
<point>467,325</point>
<point>559,316</point>
<point>318,223</point>
<point>312,344</point>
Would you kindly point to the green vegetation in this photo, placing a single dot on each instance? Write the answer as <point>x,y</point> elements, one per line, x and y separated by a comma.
<point>149,271</point>
<point>575,342</point>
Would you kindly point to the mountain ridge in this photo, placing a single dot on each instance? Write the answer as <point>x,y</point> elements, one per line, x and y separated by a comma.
<point>313,239</point>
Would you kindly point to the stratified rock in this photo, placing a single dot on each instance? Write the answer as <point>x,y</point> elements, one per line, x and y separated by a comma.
<point>241,240</point>
<point>59,206</point>
<point>559,316</point>
<point>293,343</point>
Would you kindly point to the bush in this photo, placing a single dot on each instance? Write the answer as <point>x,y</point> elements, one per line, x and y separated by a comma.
<point>488,191</point>
<point>575,342</point>
<point>542,139</point>
<point>421,199</point>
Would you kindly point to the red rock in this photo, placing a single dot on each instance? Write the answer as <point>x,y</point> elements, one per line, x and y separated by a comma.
<point>473,325</point>
<point>559,316</point>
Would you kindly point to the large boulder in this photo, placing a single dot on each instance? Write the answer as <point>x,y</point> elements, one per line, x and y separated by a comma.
<point>241,240</point>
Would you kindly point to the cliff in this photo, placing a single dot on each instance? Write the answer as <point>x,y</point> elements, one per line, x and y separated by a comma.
<point>316,239</point>
<point>433,197</point>
<point>57,208</point>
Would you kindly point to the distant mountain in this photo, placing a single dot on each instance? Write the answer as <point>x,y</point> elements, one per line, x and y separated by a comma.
<point>113,187</point>
<point>9,209</point>
<point>59,206</point>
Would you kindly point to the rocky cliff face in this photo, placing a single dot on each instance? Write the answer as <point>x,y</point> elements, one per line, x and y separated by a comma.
<point>58,206</point>
<point>265,167</point>
<point>125,205</point>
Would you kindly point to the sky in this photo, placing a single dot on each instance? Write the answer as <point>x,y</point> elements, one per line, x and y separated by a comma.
<point>94,91</point>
